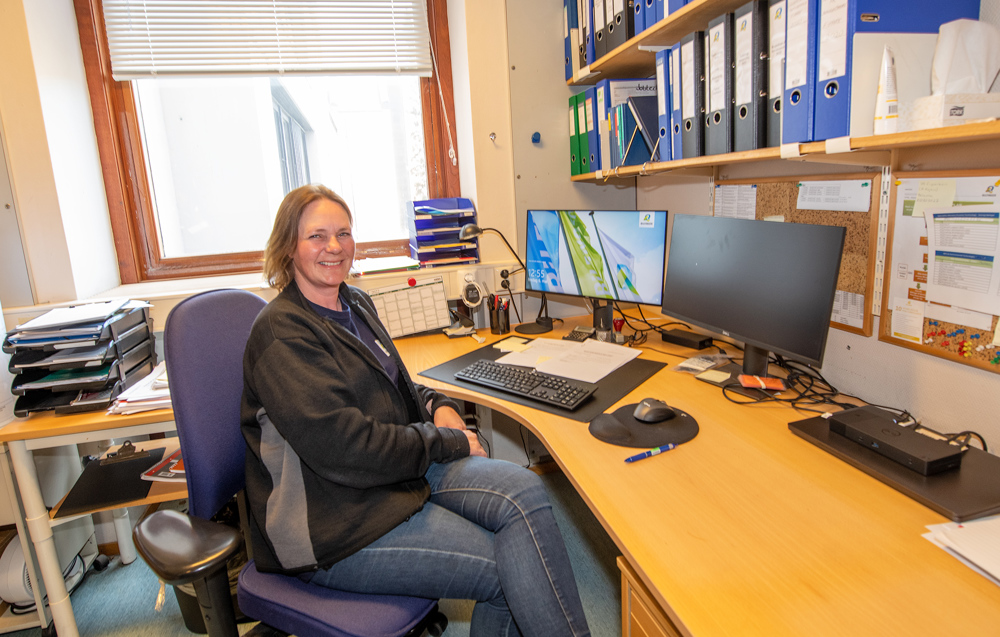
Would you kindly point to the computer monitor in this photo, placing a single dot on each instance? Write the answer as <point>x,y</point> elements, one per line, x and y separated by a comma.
<point>768,284</point>
<point>601,255</point>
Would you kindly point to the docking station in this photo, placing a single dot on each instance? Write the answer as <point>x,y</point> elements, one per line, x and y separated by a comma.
<point>686,339</point>
<point>878,430</point>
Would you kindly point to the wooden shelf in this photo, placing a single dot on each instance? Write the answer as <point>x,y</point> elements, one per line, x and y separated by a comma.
<point>867,151</point>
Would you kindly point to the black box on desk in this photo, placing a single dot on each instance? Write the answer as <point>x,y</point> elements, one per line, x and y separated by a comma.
<point>878,430</point>
<point>686,339</point>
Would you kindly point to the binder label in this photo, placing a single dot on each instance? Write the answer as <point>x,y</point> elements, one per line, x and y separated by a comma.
<point>687,79</point>
<point>776,54</point>
<point>797,44</point>
<point>744,59</point>
<point>833,39</point>
<point>661,81</point>
<point>675,93</point>
<point>717,62</point>
<point>599,21</point>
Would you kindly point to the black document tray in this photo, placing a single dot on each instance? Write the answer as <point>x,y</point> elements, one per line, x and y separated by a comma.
<point>971,491</point>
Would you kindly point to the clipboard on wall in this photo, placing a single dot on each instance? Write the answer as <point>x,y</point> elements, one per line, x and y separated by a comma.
<point>778,196</point>
<point>952,333</point>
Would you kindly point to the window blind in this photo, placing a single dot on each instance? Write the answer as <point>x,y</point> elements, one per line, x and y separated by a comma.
<point>149,38</point>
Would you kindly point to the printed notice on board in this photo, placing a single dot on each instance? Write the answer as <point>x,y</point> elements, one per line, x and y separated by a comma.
<point>848,309</point>
<point>909,244</point>
<point>963,245</point>
<point>842,196</point>
<point>907,319</point>
<point>737,202</point>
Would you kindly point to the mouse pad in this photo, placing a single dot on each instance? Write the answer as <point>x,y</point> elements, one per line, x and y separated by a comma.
<point>622,429</point>
<point>610,389</point>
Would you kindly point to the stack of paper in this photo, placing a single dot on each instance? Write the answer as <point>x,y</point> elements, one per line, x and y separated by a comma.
<point>975,543</point>
<point>589,361</point>
<point>143,396</point>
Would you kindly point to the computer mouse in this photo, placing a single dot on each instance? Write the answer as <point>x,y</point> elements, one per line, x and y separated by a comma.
<point>651,411</point>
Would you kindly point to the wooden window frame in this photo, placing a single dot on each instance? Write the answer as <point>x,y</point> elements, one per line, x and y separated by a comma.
<point>133,222</point>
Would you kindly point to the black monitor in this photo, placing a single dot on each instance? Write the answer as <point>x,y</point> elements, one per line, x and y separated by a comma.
<point>601,255</point>
<point>768,284</point>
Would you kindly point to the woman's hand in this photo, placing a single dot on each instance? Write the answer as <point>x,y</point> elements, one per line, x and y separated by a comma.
<point>447,417</point>
<point>475,449</point>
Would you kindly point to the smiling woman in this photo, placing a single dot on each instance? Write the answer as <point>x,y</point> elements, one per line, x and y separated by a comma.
<point>324,253</point>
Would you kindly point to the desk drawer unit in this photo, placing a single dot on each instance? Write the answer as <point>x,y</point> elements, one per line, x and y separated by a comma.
<point>641,616</point>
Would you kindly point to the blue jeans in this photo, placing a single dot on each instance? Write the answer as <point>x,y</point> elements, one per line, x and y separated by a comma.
<point>487,534</point>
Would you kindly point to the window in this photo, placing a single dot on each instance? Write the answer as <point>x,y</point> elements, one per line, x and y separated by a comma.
<point>195,166</point>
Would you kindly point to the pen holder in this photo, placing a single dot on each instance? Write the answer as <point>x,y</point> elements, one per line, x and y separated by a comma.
<point>499,320</point>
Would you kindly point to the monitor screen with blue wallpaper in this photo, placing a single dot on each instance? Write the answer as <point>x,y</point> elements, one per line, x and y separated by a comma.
<point>598,254</point>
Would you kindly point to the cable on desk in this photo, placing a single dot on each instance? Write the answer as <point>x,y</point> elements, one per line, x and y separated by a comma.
<point>961,438</point>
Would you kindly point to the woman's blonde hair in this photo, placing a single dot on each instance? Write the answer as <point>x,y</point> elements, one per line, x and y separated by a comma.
<point>278,268</point>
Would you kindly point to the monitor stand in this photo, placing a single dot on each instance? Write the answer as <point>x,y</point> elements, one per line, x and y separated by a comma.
<point>603,319</point>
<point>541,325</point>
<point>755,363</point>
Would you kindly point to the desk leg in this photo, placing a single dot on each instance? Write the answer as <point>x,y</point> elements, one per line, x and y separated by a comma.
<point>123,529</point>
<point>37,518</point>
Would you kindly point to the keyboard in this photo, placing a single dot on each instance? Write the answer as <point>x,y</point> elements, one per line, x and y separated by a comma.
<point>527,383</point>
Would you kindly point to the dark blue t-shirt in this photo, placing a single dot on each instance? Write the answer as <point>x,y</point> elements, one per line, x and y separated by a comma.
<point>362,331</point>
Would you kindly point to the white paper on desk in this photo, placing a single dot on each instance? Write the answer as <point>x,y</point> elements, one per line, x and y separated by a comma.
<point>975,543</point>
<point>936,541</point>
<point>143,389</point>
<point>542,349</point>
<point>963,248</point>
<point>590,362</point>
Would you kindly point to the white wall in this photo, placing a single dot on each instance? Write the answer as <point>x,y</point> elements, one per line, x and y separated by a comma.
<point>53,151</point>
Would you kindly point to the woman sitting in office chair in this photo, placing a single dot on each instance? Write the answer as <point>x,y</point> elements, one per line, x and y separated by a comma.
<point>359,479</point>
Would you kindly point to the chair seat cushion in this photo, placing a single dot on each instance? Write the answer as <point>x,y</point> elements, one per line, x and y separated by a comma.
<point>291,605</point>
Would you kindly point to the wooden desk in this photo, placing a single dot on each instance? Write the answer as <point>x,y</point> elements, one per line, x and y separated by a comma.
<point>749,529</point>
<point>42,431</point>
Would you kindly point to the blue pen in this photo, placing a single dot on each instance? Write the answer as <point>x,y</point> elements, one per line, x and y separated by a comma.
<point>651,452</point>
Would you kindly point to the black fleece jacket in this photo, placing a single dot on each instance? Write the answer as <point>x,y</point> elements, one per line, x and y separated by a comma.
<point>336,452</point>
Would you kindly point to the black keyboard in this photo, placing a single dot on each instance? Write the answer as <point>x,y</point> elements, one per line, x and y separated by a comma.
<point>545,388</point>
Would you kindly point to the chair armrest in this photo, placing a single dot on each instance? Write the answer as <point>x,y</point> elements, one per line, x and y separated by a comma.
<point>180,548</point>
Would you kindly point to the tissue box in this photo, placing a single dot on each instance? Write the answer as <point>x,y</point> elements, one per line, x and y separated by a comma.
<point>935,111</point>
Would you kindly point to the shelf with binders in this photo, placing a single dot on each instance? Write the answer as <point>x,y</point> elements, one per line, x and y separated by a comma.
<point>634,58</point>
<point>875,150</point>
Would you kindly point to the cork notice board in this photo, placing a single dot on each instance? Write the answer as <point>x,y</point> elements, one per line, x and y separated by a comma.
<point>778,197</point>
<point>951,333</point>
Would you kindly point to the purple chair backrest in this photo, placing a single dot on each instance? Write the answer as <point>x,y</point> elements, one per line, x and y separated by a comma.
<point>203,343</point>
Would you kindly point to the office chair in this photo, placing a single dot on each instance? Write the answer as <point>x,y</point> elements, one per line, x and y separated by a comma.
<point>204,339</point>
